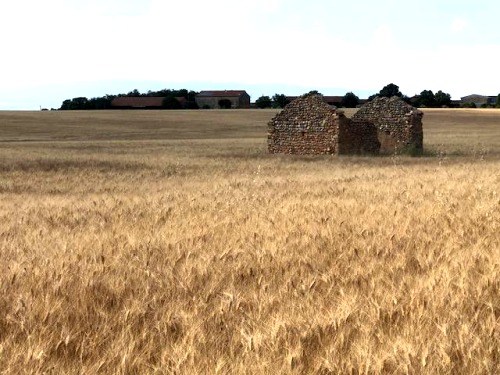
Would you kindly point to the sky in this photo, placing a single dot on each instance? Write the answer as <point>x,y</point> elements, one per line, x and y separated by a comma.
<point>54,50</point>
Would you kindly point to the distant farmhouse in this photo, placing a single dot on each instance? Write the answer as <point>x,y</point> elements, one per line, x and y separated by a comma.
<point>211,99</point>
<point>137,102</point>
<point>142,102</point>
<point>480,100</point>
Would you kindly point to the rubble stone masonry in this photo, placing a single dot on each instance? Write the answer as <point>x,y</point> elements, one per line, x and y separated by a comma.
<point>399,125</point>
<point>308,125</point>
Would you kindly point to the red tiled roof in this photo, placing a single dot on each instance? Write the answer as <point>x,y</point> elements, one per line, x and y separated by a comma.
<point>222,93</point>
<point>138,101</point>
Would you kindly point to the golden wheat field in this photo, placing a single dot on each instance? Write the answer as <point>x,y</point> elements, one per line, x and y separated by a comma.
<point>170,242</point>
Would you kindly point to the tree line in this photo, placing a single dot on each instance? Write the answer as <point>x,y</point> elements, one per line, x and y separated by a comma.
<point>427,99</point>
<point>170,100</point>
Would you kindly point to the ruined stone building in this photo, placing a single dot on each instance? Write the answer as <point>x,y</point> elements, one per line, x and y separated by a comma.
<point>308,125</point>
<point>399,125</point>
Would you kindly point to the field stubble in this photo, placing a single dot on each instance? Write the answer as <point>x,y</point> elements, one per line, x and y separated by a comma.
<point>167,250</point>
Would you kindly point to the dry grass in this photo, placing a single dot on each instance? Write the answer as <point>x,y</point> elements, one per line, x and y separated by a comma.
<point>155,242</point>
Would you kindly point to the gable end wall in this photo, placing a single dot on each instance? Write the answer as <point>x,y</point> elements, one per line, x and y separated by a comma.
<point>295,136</point>
<point>399,126</point>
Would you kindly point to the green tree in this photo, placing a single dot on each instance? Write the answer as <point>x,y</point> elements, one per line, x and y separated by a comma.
<point>75,104</point>
<point>406,99</point>
<point>349,100</point>
<point>164,92</point>
<point>390,90</point>
<point>280,101</point>
<point>225,104</point>
<point>182,93</point>
<point>103,102</point>
<point>469,105</point>
<point>170,102</point>
<point>313,92</point>
<point>191,95</point>
<point>264,102</point>
<point>65,105</point>
<point>134,92</point>
<point>443,99</point>
<point>191,105</point>
<point>498,101</point>
<point>427,99</point>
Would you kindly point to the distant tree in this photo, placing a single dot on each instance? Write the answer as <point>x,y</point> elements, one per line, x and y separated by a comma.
<point>498,101</point>
<point>190,102</point>
<point>65,105</point>
<point>79,103</point>
<point>469,105</point>
<point>390,90</point>
<point>164,93</point>
<point>427,99</point>
<point>191,105</point>
<point>349,100</point>
<point>134,92</point>
<point>104,102</point>
<point>225,104</point>
<point>280,101</point>
<point>443,99</point>
<point>182,93</point>
<point>191,95</point>
<point>406,99</point>
<point>170,102</point>
<point>313,92</point>
<point>264,102</point>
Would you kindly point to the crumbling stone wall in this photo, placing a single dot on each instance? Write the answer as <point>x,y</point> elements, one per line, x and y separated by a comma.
<point>305,126</point>
<point>308,125</point>
<point>358,137</point>
<point>399,125</point>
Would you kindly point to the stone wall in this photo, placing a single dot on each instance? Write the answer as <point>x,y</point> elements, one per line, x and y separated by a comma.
<point>305,126</point>
<point>399,125</point>
<point>358,137</point>
<point>310,126</point>
<point>212,101</point>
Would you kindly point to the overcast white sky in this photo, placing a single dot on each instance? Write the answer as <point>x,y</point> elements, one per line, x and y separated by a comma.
<point>58,49</point>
